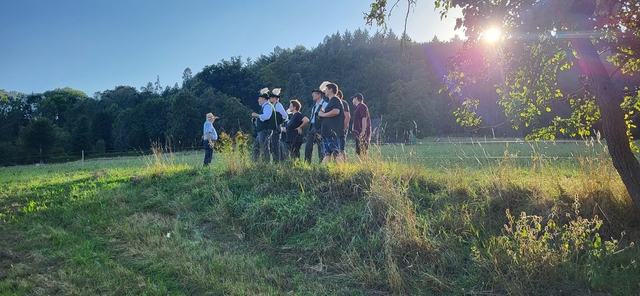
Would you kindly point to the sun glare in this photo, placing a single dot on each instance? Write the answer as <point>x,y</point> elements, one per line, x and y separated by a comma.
<point>491,35</point>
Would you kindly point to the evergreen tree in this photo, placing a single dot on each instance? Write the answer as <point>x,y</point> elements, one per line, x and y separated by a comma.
<point>81,135</point>
<point>37,140</point>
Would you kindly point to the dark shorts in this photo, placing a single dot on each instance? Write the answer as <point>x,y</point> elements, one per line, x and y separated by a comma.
<point>331,146</point>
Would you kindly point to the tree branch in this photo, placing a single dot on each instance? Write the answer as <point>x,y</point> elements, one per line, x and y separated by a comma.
<point>626,59</point>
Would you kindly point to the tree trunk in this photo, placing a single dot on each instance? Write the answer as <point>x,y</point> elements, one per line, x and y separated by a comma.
<point>613,125</point>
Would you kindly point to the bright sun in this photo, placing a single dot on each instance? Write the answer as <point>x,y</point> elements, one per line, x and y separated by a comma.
<point>491,35</point>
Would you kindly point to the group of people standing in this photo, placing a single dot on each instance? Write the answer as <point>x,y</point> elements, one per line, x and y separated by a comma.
<point>279,132</point>
<point>271,123</point>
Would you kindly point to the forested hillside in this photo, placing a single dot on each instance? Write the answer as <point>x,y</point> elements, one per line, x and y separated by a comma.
<point>401,86</point>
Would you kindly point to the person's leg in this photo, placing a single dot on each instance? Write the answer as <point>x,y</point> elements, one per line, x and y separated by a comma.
<point>257,147</point>
<point>331,149</point>
<point>308,147</point>
<point>208,153</point>
<point>326,151</point>
<point>295,150</point>
<point>343,146</point>
<point>275,146</point>
<point>286,150</point>
<point>358,146</point>
<point>265,146</point>
<point>364,147</point>
<point>318,141</point>
<point>261,147</point>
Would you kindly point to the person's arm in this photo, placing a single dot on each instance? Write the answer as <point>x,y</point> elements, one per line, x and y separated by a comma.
<point>336,108</point>
<point>305,121</point>
<point>266,115</point>
<point>347,118</point>
<point>209,131</point>
<point>332,113</point>
<point>364,128</point>
<point>323,107</point>
<point>282,112</point>
<point>214,134</point>
<point>209,139</point>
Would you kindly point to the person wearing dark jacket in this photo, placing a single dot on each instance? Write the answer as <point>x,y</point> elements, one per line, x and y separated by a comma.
<point>281,116</point>
<point>315,124</point>
<point>265,124</point>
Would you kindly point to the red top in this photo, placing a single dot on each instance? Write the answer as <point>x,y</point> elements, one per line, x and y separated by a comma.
<point>362,111</point>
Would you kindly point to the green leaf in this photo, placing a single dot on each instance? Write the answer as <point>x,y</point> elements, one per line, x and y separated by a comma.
<point>597,242</point>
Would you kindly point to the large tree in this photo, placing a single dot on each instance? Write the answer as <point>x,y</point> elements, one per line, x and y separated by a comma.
<point>37,139</point>
<point>184,120</point>
<point>57,105</point>
<point>15,111</point>
<point>101,126</point>
<point>539,40</point>
<point>81,135</point>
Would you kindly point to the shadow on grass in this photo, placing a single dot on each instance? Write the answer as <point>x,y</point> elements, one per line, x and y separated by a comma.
<point>367,228</point>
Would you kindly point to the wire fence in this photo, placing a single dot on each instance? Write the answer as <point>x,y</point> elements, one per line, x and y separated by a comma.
<point>425,150</point>
<point>92,154</point>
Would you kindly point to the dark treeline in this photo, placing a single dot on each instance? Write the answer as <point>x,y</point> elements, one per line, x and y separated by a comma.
<point>401,86</point>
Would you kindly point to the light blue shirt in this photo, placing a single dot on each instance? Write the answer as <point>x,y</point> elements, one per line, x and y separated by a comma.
<point>316,107</point>
<point>266,112</point>
<point>208,128</point>
<point>280,109</point>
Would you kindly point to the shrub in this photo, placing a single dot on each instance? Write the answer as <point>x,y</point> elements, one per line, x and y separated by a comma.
<point>224,144</point>
<point>99,146</point>
<point>242,141</point>
<point>9,153</point>
<point>532,256</point>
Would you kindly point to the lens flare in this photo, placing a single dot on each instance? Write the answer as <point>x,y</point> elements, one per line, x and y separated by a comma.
<point>491,35</point>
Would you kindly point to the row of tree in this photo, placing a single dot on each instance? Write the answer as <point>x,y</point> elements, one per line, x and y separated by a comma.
<point>401,82</point>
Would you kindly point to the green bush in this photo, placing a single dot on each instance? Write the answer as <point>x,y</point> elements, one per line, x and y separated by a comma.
<point>242,142</point>
<point>99,146</point>
<point>536,257</point>
<point>224,144</point>
<point>9,153</point>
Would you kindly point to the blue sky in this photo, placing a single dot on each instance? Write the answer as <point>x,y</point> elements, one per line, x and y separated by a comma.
<point>97,45</point>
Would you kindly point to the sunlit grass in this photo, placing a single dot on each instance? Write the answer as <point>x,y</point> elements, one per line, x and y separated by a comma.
<point>409,219</point>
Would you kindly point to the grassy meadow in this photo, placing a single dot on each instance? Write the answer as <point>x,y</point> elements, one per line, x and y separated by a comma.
<point>443,217</point>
